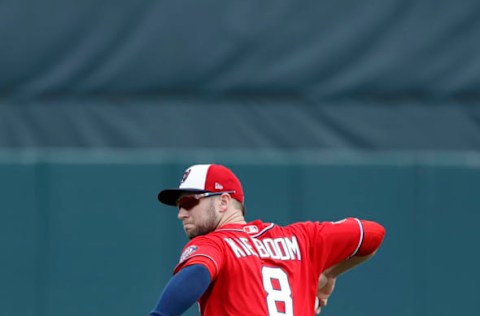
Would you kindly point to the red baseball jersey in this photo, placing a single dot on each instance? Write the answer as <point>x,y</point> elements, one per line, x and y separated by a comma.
<point>265,269</point>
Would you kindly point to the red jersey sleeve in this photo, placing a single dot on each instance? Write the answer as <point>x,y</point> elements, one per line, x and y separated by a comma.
<point>202,250</point>
<point>373,234</point>
<point>333,242</point>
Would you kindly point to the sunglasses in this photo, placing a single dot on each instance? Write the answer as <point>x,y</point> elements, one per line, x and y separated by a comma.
<point>188,202</point>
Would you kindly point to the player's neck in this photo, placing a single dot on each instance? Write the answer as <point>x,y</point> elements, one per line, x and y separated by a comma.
<point>235,217</point>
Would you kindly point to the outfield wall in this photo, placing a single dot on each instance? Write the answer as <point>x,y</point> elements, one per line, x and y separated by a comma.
<point>81,233</point>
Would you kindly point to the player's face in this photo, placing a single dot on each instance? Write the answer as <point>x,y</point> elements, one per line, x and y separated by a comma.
<point>201,219</point>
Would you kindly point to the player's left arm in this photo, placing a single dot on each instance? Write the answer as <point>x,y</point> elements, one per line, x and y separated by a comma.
<point>199,263</point>
<point>372,234</point>
<point>183,290</point>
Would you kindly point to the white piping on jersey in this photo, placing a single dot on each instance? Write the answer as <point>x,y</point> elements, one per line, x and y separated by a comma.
<point>264,230</point>
<point>241,230</point>
<point>361,237</point>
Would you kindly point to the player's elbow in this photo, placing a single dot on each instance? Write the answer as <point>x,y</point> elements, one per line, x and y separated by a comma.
<point>373,235</point>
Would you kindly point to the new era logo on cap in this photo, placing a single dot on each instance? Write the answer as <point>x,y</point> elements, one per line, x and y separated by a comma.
<point>205,178</point>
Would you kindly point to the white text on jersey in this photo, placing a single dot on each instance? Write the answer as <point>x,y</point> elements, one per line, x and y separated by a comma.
<point>278,248</point>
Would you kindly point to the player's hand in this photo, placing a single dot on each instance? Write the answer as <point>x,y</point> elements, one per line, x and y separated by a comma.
<point>325,289</point>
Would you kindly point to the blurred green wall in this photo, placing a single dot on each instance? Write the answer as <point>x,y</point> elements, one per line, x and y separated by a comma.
<point>81,233</point>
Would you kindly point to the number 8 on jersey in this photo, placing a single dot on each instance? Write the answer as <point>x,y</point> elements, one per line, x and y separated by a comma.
<point>279,294</point>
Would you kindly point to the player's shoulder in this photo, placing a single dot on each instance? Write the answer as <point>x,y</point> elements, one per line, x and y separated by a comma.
<point>318,226</point>
<point>308,226</point>
<point>304,225</point>
<point>200,244</point>
<point>321,223</point>
<point>210,238</point>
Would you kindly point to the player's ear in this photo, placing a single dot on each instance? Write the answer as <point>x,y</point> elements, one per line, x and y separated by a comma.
<point>225,200</point>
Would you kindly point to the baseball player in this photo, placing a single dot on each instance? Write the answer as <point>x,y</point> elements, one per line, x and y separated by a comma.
<point>232,267</point>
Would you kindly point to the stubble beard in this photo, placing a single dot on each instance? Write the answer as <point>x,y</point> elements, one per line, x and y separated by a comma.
<point>208,226</point>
